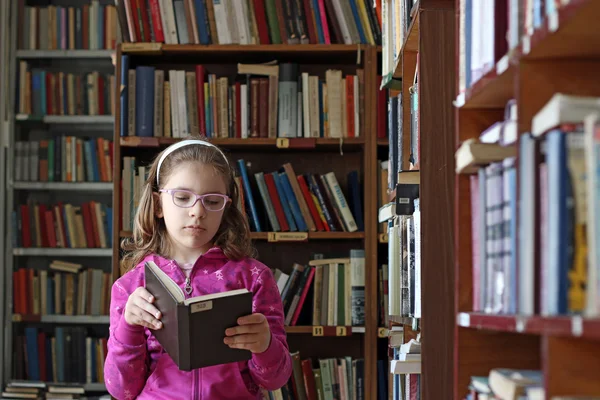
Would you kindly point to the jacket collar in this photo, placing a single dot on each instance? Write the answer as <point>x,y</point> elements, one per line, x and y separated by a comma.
<point>212,260</point>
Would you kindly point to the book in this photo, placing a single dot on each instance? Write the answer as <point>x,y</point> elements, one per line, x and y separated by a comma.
<point>193,329</point>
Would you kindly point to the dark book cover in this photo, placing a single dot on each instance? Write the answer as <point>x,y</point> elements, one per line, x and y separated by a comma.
<point>193,329</point>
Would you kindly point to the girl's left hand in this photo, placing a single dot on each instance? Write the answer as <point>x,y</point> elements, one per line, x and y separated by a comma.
<point>252,334</point>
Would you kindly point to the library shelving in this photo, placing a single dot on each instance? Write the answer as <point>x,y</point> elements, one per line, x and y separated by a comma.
<point>307,155</point>
<point>418,72</point>
<point>544,52</point>
<point>57,121</point>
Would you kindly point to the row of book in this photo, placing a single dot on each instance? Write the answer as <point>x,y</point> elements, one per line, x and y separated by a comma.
<point>250,22</point>
<point>405,366</point>
<point>64,225</point>
<point>265,101</point>
<point>64,288</point>
<point>42,92</point>
<point>487,34</point>
<point>289,202</point>
<point>64,354</point>
<point>396,16</point>
<point>535,229</point>
<point>326,292</point>
<point>22,389</point>
<point>327,378</point>
<point>91,26</point>
<point>64,159</point>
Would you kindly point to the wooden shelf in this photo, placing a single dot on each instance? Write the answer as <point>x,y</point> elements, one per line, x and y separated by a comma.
<point>570,326</point>
<point>398,320</point>
<point>326,330</point>
<point>255,143</point>
<point>66,119</point>
<point>311,235</point>
<point>411,42</point>
<point>275,49</point>
<point>383,142</point>
<point>570,32</point>
<point>61,319</point>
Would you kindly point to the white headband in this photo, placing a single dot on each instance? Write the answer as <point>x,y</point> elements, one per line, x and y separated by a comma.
<point>183,143</point>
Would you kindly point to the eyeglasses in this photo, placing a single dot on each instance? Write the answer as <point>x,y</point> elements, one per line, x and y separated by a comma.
<point>186,199</point>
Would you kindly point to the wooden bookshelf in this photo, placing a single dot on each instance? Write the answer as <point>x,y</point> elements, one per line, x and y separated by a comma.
<point>427,49</point>
<point>557,57</point>
<point>314,155</point>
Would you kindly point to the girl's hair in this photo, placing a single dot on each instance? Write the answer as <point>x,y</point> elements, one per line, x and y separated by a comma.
<point>150,233</point>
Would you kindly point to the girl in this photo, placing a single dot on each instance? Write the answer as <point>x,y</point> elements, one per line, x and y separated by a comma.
<point>187,222</point>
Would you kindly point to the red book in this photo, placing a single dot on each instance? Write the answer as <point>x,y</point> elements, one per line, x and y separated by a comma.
<point>309,280</point>
<point>261,21</point>
<point>159,35</point>
<point>50,229</point>
<point>90,238</point>
<point>25,227</point>
<point>270,182</point>
<point>311,204</point>
<point>41,345</point>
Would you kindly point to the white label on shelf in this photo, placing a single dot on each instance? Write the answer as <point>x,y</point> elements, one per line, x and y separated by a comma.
<point>502,65</point>
<point>577,325</point>
<point>553,22</point>
<point>464,319</point>
<point>521,323</point>
<point>526,44</point>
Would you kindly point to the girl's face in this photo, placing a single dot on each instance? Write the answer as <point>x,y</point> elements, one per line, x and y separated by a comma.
<point>192,229</point>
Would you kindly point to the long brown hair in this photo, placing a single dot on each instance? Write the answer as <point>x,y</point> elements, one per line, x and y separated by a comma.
<point>150,233</point>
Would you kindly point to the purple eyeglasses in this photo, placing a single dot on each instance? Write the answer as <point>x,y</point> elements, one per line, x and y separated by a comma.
<point>186,199</point>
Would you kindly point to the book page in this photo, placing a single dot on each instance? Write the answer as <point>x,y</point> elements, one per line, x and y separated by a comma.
<point>169,284</point>
<point>214,296</point>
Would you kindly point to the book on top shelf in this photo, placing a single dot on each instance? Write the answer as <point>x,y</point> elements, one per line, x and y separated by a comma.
<point>250,22</point>
<point>200,321</point>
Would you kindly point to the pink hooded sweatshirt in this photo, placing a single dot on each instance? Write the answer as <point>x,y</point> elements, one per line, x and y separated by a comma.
<point>137,366</point>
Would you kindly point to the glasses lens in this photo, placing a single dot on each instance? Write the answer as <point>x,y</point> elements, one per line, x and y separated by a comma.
<point>183,199</point>
<point>213,202</point>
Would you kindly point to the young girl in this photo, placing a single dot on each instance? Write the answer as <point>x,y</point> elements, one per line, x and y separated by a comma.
<point>187,222</point>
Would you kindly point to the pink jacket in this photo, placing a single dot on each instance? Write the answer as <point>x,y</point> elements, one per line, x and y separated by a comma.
<point>137,367</point>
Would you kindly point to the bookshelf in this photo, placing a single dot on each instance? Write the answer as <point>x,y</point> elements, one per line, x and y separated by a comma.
<point>307,155</point>
<point>554,54</point>
<point>418,71</point>
<point>45,110</point>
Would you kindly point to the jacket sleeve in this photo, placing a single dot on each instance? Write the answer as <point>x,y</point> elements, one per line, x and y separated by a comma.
<point>272,368</point>
<point>125,367</point>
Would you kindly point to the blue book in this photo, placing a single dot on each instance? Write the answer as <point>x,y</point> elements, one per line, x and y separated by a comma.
<point>359,27</point>
<point>144,97</point>
<point>202,22</point>
<point>293,202</point>
<point>320,34</point>
<point>33,365</point>
<point>124,95</point>
<point>59,334</point>
<point>254,221</point>
<point>284,202</point>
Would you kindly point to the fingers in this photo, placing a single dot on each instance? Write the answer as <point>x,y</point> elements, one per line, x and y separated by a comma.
<point>242,339</point>
<point>139,316</point>
<point>255,318</point>
<point>244,329</point>
<point>145,305</point>
<point>143,293</point>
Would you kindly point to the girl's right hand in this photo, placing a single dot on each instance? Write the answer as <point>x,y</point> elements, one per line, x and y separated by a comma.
<point>140,311</point>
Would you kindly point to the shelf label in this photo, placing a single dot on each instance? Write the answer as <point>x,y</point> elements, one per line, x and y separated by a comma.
<point>502,65</point>
<point>17,318</point>
<point>287,236</point>
<point>282,143</point>
<point>464,319</point>
<point>521,324</point>
<point>526,44</point>
<point>577,325</point>
<point>318,331</point>
<point>341,331</point>
<point>382,332</point>
<point>141,47</point>
<point>384,238</point>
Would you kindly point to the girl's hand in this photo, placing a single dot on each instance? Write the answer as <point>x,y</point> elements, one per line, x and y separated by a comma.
<point>252,334</point>
<point>140,311</point>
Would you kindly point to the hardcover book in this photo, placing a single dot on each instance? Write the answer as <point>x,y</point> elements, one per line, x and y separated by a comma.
<point>193,329</point>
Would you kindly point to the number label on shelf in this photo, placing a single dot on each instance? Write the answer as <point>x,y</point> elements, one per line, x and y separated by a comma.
<point>341,331</point>
<point>318,331</point>
<point>384,238</point>
<point>287,236</point>
<point>577,325</point>
<point>464,320</point>
<point>382,332</point>
<point>282,143</point>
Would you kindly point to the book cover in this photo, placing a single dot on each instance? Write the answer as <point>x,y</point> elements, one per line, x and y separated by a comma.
<point>194,328</point>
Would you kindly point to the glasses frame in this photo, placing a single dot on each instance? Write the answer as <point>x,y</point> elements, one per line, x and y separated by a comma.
<point>200,197</point>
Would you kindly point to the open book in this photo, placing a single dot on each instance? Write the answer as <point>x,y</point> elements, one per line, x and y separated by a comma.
<point>193,329</point>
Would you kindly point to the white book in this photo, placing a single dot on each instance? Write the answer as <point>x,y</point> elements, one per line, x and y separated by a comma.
<point>563,109</point>
<point>592,155</point>
<point>244,109</point>
<point>174,104</point>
